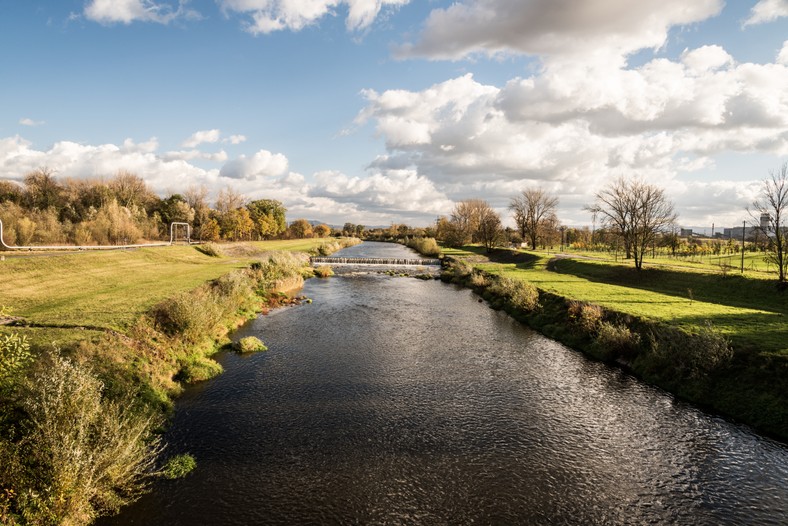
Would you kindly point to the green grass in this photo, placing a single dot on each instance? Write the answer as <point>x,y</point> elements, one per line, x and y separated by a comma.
<point>111,290</point>
<point>749,310</point>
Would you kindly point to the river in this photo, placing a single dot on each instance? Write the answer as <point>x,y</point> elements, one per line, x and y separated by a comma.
<point>392,400</point>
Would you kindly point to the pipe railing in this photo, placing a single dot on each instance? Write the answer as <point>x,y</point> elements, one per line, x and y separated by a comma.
<point>4,246</point>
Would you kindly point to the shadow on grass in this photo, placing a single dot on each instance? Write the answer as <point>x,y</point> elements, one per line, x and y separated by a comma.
<point>733,291</point>
<point>758,333</point>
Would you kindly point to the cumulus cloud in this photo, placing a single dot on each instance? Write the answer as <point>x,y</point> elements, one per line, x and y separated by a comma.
<point>260,165</point>
<point>201,137</point>
<point>393,192</point>
<point>235,139</point>
<point>576,124</point>
<point>782,56</point>
<point>276,15</point>
<point>127,11</point>
<point>553,27</point>
<point>263,175</point>
<point>30,122</point>
<point>767,11</point>
<point>71,159</point>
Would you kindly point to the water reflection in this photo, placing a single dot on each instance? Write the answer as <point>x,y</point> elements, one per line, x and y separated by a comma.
<point>399,401</point>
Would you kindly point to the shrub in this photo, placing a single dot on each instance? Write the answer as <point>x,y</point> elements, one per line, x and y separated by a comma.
<point>211,249</point>
<point>426,246</point>
<point>14,357</point>
<point>323,271</point>
<point>86,455</point>
<point>690,355</point>
<point>478,279</point>
<point>198,368</point>
<point>191,315</point>
<point>179,466</point>
<point>521,295</point>
<point>458,271</point>
<point>616,340</point>
<point>249,344</point>
<point>585,315</point>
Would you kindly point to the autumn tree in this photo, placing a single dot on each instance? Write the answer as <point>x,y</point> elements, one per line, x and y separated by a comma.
<point>773,207</point>
<point>42,189</point>
<point>636,212</point>
<point>534,213</point>
<point>489,231</point>
<point>465,217</point>
<point>300,229</point>
<point>268,216</point>
<point>322,230</point>
<point>130,190</point>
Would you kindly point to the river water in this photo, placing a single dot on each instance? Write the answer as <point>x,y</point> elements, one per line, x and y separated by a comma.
<point>391,400</point>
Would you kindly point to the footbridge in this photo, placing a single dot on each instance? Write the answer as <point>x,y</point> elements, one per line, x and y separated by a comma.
<point>374,261</point>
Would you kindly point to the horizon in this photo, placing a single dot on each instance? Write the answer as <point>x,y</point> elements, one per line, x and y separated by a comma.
<point>390,111</point>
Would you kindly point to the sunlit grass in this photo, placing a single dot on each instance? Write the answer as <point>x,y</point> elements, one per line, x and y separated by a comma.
<point>749,310</point>
<point>112,289</point>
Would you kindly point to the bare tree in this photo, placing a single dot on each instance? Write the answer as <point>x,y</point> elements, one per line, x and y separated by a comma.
<point>637,212</point>
<point>772,209</point>
<point>489,231</point>
<point>466,216</point>
<point>533,210</point>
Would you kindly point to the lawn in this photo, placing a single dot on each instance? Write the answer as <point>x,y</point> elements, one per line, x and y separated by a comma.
<point>110,290</point>
<point>748,309</point>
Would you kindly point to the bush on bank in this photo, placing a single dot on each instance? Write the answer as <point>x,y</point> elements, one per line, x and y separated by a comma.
<point>700,366</point>
<point>77,426</point>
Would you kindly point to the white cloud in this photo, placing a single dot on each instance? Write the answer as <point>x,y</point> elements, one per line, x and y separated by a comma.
<point>767,11</point>
<point>30,122</point>
<point>190,155</point>
<point>200,137</point>
<point>393,192</point>
<point>576,124</point>
<point>782,56</point>
<point>235,139</point>
<point>260,165</point>
<point>276,15</point>
<point>70,159</point>
<point>127,11</point>
<point>606,28</point>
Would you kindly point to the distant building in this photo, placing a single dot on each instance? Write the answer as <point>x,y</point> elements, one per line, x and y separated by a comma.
<point>686,232</point>
<point>766,222</point>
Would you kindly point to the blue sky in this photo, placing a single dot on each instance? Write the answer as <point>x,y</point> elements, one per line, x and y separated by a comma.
<point>380,111</point>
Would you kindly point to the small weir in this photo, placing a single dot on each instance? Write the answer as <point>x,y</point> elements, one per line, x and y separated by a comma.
<point>374,261</point>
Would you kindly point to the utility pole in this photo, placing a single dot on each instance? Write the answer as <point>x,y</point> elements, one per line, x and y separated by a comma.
<point>743,228</point>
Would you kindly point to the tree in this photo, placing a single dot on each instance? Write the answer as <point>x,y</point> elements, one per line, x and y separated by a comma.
<point>300,229</point>
<point>237,224</point>
<point>130,190</point>
<point>42,190</point>
<point>465,217</point>
<point>635,211</point>
<point>349,230</point>
<point>322,230</point>
<point>772,208</point>
<point>268,216</point>
<point>489,231</point>
<point>533,211</point>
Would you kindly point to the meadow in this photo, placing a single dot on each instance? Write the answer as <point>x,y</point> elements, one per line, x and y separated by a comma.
<point>64,297</point>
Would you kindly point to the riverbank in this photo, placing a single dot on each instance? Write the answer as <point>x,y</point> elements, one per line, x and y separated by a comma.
<point>716,340</point>
<point>94,352</point>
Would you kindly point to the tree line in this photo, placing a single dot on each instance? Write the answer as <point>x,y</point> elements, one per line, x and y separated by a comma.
<point>45,210</point>
<point>634,215</point>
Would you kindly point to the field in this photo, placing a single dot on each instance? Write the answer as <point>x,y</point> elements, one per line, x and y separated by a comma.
<point>746,308</point>
<point>94,291</point>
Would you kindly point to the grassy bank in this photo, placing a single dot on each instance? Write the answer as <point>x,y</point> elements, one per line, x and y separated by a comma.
<point>98,346</point>
<point>714,338</point>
